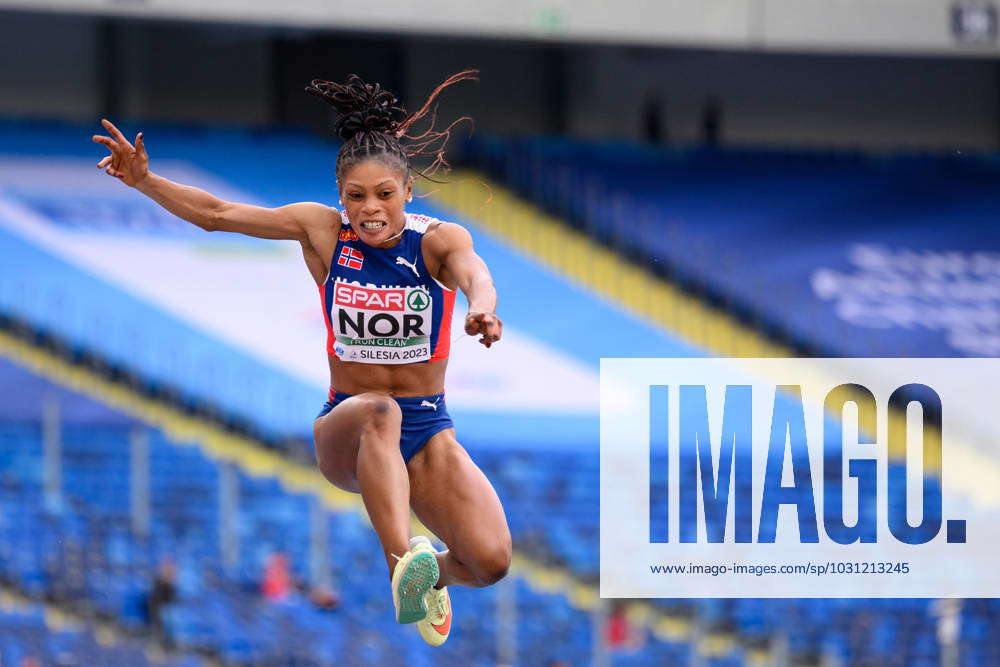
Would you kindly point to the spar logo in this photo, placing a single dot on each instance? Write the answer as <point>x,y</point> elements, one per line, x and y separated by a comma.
<point>724,487</point>
<point>418,300</point>
<point>367,298</point>
<point>348,234</point>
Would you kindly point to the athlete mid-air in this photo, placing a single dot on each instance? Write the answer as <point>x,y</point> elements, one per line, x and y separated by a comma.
<point>387,280</point>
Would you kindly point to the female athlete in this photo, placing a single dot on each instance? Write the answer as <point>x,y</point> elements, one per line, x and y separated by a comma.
<point>387,280</point>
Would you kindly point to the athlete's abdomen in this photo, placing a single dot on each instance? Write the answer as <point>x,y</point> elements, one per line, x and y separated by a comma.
<point>394,379</point>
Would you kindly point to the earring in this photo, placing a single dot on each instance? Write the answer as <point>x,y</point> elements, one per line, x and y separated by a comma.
<point>410,198</point>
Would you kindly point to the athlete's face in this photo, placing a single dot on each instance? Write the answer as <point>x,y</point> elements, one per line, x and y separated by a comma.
<point>373,196</point>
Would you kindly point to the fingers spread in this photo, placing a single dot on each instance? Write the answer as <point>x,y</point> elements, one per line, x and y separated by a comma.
<point>104,141</point>
<point>115,133</point>
<point>140,147</point>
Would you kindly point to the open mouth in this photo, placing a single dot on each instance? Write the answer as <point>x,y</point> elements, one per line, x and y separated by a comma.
<point>373,225</point>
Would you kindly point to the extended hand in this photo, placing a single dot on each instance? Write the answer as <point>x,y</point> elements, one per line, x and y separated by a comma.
<point>128,163</point>
<point>487,324</point>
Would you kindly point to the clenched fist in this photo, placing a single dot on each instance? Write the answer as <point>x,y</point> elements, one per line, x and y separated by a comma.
<point>487,324</point>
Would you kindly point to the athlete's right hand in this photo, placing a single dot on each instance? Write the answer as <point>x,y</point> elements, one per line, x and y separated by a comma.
<point>487,324</point>
<point>127,163</point>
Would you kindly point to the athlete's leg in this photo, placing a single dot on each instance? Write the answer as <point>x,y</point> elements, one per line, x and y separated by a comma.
<point>357,449</point>
<point>452,496</point>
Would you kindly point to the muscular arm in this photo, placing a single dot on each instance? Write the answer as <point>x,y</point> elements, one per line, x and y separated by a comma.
<point>213,214</point>
<point>130,164</point>
<point>452,244</point>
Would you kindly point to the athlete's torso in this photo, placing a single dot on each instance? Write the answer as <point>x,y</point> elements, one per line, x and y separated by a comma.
<point>384,310</point>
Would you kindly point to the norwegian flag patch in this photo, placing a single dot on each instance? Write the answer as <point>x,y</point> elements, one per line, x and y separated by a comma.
<point>350,258</point>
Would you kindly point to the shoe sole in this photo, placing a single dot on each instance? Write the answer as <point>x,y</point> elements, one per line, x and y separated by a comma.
<point>418,574</point>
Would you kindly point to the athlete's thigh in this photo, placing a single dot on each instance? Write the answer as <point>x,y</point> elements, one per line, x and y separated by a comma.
<point>452,497</point>
<point>338,435</point>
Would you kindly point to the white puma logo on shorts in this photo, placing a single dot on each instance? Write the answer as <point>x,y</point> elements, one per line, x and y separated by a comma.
<point>412,265</point>
<point>429,404</point>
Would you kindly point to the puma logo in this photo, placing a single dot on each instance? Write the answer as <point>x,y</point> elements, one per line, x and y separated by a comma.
<point>428,404</point>
<point>412,265</point>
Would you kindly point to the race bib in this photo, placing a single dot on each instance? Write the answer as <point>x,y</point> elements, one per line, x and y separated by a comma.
<point>381,325</point>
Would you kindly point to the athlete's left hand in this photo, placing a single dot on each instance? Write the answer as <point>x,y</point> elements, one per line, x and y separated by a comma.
<point>487,324</point>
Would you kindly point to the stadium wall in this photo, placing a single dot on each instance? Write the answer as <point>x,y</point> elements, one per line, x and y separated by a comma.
<point>766,99</point>
<point>253,76</point>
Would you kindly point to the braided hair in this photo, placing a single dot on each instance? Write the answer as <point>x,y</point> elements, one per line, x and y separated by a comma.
<point>373,125</point>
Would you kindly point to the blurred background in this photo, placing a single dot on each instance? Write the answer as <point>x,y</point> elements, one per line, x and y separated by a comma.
<point>682,178</point>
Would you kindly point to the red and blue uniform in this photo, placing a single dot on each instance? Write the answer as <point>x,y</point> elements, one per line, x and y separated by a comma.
<point>382,306</point>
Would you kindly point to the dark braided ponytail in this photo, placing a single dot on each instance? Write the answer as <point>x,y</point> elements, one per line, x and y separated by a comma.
<point>373,125</point>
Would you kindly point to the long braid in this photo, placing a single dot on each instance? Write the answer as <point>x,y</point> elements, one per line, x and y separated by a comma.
<point>367,123</point>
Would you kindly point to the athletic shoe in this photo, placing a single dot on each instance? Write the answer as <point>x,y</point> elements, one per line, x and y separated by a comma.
<point>415,573</point>
<point>434,629</point>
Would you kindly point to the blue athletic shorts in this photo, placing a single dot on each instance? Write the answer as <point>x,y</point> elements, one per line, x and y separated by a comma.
<point>423,417</point>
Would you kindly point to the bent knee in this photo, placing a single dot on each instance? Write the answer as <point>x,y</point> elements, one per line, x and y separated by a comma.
<point>492,565</point>
<point>379,411</point>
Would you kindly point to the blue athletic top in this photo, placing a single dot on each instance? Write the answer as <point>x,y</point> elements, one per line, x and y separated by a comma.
<point>382,306</point>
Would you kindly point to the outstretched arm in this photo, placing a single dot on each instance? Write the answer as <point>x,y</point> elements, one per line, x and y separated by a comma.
<point>473,277</point>
<point>130,164</point>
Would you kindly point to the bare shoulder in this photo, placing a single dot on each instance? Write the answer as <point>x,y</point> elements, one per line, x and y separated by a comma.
<point>444,237</point>
<point>320,222</point>
<point>310,213</point>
